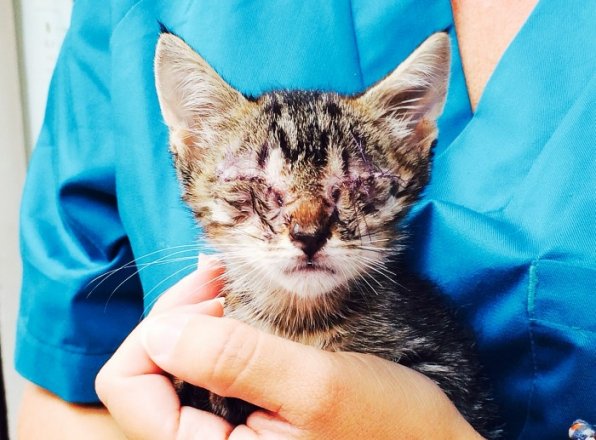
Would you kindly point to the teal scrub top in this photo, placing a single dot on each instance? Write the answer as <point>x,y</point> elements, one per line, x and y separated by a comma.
<point>506,226</point>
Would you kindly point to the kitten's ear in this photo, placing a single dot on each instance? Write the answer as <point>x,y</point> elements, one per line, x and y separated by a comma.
<point>195,101</point>
<point>411,98</point>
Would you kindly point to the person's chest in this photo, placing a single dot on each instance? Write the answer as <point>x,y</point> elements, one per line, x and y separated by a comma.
<point>484,30</point>
<point>505,213</point>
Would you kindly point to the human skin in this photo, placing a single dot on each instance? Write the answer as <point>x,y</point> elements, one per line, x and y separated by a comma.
<point>302,389</point>
<point>484,30</point>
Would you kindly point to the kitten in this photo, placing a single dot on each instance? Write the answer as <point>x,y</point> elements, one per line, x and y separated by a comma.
<point>301,192</point>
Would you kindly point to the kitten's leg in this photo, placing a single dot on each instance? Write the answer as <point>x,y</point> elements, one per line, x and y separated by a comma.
<point>234,410</point>
<point>192,396</point>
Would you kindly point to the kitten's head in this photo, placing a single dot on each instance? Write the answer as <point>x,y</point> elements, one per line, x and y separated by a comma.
<point>301,191</point>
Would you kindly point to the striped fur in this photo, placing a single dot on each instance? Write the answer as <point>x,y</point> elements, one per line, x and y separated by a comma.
<point>301,192</point>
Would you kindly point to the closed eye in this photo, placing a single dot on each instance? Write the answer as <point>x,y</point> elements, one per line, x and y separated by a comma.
<point>236,203</point>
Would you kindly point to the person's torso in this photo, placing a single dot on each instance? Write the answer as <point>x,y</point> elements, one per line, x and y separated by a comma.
<point>506,226</point>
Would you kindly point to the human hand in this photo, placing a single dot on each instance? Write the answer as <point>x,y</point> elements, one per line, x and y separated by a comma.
<point>306,393</point>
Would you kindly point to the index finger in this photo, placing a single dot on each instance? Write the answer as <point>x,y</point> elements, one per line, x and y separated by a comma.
<point>143,400</point>
<point>233,359</point>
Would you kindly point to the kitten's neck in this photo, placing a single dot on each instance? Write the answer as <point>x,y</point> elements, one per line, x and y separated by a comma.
<point>321,321</point>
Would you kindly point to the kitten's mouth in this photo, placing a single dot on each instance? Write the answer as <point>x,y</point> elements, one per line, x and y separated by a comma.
<point>310,267</point>
<point>309,277</point>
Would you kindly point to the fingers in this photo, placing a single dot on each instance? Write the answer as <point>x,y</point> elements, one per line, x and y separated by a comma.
<point>203,284</point>
<point>199,425</point>
<point>141,399</point>
<point>234,360</point>
<point>269,425</point>
<point>243,432</point>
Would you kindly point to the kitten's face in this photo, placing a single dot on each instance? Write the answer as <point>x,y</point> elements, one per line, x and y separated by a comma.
<point>300,191</point>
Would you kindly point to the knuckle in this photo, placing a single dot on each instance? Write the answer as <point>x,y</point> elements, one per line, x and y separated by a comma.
<point>233,356</point>
<point>328,390</point>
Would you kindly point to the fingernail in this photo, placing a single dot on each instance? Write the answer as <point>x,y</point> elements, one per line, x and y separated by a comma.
<point>207,260</point>
<point>161,334</point>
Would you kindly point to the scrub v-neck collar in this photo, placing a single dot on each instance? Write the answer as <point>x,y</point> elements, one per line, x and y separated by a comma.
<point>464,107</point>
<point>524,100</point>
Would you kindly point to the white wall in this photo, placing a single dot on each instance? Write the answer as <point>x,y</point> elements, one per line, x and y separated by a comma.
<point>12,172</point>
<point>31,32</point>
<point>43,24</point>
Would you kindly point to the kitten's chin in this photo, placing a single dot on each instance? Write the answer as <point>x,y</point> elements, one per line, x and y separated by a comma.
<point>309,280</point>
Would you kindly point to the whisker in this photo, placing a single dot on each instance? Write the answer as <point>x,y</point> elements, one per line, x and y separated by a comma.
<point>162,260</point>
<point>363,278</point>
<point>185,268</point>
<point>137,259</point>
<point>380,272</point>
<point>212,280</point>
<point>132,263</point>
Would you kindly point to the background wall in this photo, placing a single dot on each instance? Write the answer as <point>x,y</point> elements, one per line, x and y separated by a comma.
<point>31,32</point>
<point>42,25</point>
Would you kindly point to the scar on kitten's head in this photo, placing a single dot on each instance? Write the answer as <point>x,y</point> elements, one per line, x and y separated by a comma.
<point>309,177</point>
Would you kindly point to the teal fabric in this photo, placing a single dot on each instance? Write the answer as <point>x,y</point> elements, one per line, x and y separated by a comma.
<point>506,226</point>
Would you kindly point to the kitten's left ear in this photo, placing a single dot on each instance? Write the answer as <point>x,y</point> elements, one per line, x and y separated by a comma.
<point>411,98</point>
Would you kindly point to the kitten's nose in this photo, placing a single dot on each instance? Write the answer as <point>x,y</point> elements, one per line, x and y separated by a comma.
<point>310,243</point>
<point>310,225</point>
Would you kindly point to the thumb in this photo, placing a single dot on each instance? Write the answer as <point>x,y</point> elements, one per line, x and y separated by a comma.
<point>233,359</point>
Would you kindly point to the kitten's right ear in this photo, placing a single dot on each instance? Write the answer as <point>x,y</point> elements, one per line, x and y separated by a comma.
<point>195,101</point>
